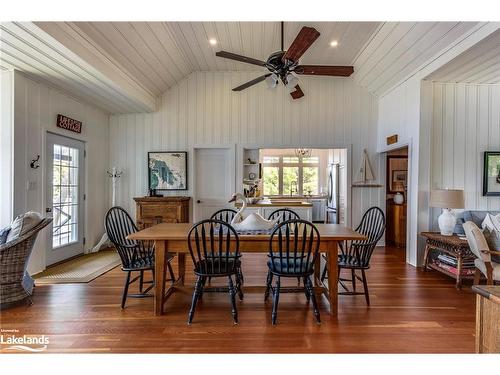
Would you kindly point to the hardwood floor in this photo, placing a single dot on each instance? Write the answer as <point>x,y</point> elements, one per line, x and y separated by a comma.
<point>412,312</point>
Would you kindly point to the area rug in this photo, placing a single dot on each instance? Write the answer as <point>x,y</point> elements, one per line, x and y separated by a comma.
<point>80,270</point>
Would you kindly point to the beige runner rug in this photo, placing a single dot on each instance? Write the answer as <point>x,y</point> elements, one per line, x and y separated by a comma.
<point>80,270</point>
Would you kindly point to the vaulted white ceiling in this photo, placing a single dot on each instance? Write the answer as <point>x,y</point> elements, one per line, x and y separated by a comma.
<point>159,54</point>
<point>124,66</point>
<point>25,47</point>
<point>479,64</point>
<point>399,48</point>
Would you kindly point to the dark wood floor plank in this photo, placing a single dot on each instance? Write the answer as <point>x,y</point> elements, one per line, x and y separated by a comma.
<point>411,312</point>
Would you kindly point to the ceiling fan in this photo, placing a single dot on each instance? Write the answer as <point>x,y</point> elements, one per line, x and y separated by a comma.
<point>284,65</point>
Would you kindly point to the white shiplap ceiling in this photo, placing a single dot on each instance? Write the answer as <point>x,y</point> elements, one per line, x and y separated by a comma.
<point>23,46</point>
<point>398,49</point>
<point>479,64</point>
<point>124,66</point>
<point>160,54</point>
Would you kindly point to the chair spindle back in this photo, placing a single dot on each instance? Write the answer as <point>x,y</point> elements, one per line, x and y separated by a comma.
<point>119,225</point>
<point>283,214</point>
<point>226,215</point>
<point>214,247</point>
<point>295,244</point>
<point>372,225</point>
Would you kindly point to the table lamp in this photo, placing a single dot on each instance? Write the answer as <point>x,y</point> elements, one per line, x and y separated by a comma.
<point>399,188</point>
<point>447,199</point>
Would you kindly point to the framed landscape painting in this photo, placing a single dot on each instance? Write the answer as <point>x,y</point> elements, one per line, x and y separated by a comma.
<point>167,170</point>
<point>491,174</point>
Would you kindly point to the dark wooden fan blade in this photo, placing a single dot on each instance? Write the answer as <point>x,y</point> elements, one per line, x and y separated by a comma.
<point>252,82</point>
<point>234,56</point>
<point>304,39</point>
<point>325,70</point>
<point>298,93</point>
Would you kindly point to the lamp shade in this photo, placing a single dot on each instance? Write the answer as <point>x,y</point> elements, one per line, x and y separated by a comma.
<point>272,81</point>
<point>398,186</point>
<point>445,198</point>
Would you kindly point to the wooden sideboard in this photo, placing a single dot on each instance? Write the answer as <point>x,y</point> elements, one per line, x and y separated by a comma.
<point>154,210</point>
<point>395,234</point>
<point>487,318</point>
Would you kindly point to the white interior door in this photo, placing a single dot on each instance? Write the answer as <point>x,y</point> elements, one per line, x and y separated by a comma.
<point>65,183</point>
<point>214,180</point>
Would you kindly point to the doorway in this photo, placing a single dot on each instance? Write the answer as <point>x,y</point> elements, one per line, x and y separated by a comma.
<point>396,197</point>
<point>65,181</point>
<point>214,180</point>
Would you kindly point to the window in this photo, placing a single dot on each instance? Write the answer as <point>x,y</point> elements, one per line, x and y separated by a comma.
<point>290,175</point>
<point>65,196</point>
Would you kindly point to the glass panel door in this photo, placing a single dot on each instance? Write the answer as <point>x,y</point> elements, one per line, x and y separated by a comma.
<point>65,197</point>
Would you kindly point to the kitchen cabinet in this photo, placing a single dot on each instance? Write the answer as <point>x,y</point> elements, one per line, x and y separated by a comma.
<point>318,209</point>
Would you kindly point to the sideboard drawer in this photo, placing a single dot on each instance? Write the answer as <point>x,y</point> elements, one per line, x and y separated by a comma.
<point>153,210</point>
<point>156,210</point>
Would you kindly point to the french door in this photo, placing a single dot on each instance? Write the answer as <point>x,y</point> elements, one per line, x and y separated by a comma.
<point>65,183</point>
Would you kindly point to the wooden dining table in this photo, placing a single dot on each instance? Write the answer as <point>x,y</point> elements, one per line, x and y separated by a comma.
<point>172,238</point>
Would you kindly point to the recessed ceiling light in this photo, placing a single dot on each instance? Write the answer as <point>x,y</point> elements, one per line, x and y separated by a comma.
<point>334,43</point>
<point>213,42</point>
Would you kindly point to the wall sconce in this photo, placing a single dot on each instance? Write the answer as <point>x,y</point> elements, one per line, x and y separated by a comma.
<point>34,162</point>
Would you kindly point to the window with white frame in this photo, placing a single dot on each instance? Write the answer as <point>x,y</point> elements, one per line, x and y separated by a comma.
<point>290,175</point>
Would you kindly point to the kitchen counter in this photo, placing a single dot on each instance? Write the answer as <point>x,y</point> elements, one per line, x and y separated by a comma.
<point>302,207</point>
<point>279,203</point>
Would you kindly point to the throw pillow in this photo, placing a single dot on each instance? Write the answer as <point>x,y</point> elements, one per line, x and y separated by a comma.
<point>22,224</point>
<point>493,240</point>
<point>491,222</point>
<point>3,235</point>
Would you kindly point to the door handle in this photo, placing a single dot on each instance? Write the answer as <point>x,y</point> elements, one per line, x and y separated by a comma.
<point>198,201</point>
<point>48,209</point>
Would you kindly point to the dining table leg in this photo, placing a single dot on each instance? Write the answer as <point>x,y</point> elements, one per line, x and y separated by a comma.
<point>160,264</point>
<point>332,265</point>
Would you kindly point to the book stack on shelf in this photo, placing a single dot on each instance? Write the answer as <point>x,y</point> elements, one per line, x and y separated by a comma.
<point>450,264</point>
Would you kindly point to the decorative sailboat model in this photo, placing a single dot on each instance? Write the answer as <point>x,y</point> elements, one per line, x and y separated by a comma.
<point>365,173</point>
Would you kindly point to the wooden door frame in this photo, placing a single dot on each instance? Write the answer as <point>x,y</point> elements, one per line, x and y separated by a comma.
<point>409,190</point>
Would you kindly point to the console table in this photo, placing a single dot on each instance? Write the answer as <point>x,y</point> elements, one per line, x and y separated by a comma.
<point>452,245</point>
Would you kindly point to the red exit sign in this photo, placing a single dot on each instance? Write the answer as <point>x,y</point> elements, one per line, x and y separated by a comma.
<point>69,124</point>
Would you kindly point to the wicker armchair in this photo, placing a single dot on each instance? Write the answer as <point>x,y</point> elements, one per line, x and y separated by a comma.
<point>15,284</point>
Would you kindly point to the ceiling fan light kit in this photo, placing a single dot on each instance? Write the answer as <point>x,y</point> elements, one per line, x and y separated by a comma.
<point>291,81</point>
<point>284,65</point>
<point>272,81</point>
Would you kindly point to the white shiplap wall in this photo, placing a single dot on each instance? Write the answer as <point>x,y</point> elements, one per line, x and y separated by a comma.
<point>406,110</point>
<point>6,130</point>
<point>465,123</point>
<point>35,112</point>
<point>202,110</point>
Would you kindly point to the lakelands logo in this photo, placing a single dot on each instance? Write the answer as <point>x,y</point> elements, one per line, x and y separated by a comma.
<point>9,340</point>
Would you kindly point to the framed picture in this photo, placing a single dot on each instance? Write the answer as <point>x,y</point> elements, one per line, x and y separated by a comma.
<point>399,176</point>
<point>167,170</point>
<point>396,172</point>
<point>491,173</point>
